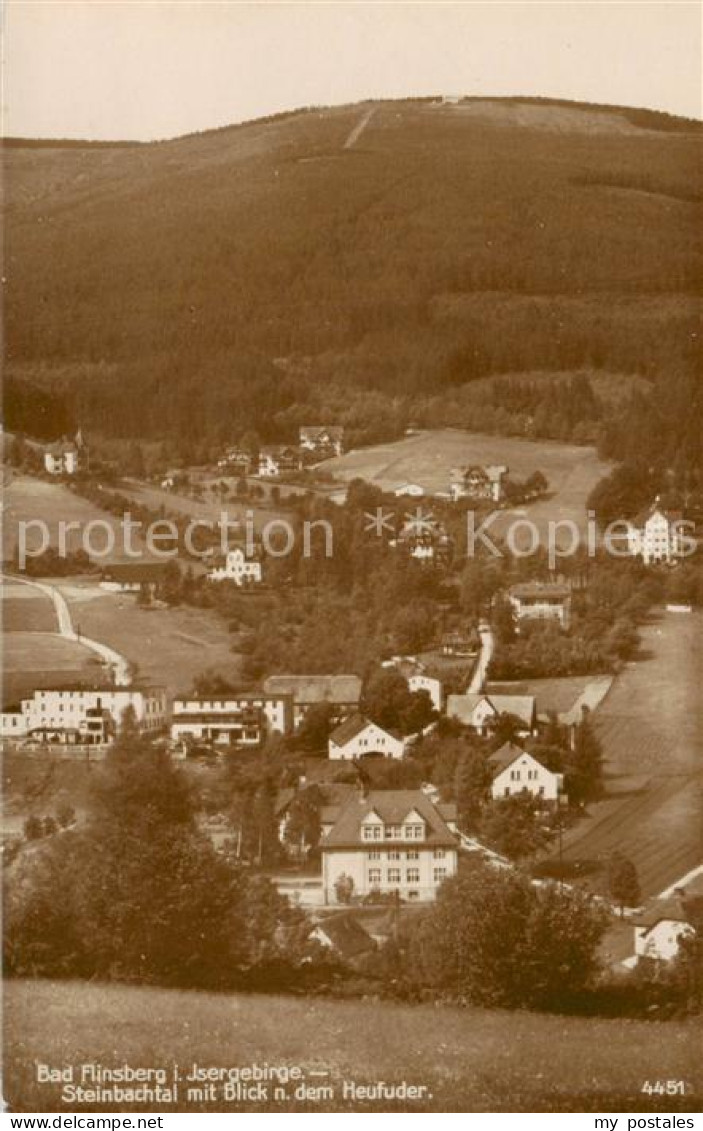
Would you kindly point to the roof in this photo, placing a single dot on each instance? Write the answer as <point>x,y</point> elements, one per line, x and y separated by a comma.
<point>346,935</point>
<point>508,753</point>
<point>134,571</point>
<point>677,909</point>
<point>392,806</point>
<point>462,707</point>
<point>667,512</point>
<point>61,447</point>
<point>333,794</point>
<point>504,757</point>
<point>552,589</point>
<point>308,689</point>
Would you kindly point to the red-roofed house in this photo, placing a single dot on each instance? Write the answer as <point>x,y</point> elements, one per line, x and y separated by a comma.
<point>358,736</point>
<point>392,840</point>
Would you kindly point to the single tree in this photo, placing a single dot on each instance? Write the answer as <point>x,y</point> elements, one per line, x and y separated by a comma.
<point>623,882</point>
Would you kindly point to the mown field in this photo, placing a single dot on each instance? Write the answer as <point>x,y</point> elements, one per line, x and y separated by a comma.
<point>469,1060</point>
<point>650,728</point>
<point>46,506</point>
<point>169,646</point>
<point>428,458</point>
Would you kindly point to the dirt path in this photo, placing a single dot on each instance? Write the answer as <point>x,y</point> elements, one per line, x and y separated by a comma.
<point>119,663</point>
<point>359,128</point>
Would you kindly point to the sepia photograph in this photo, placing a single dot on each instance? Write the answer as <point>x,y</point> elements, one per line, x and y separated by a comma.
<point>351,586</point>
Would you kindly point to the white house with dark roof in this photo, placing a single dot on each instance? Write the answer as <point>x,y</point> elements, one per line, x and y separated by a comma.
<point>541,600</point>
<point>342,692</point>
<point>277,459</point>
<point>481,711</point>
<point>389,841</point>
<point>659,930</point>
<point>656,535</point>
<point>133,577</point>
<point>61,458</point>
<point>243,565</point>
<point>322,440</point>
<point>358,736</point>
<point>477,482</point>
<point>515,771</point>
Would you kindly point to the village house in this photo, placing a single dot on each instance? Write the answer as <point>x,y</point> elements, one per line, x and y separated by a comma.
<point>414,490</point>
<point>387,841</point>
<point>659,930</point>
<point>358,736</point>
<point>458,643</point>
<point>277,460</point>
<point>344,935</point>
<point>516,772</point>
<point>63,457</point>
<point>331,795</point>
<point>342,692</point>
<point>656,535</point>
<point>416,677</point>
<point>243,565</point>
<point>425,540</point>
<point>541,600</point>
<point>482,711</point>
<point>83,715</point>
<point>323,442</point>
<point>237,719</point>
<point>477,483</point>
<point>236,461</point>
<point>133,577</point>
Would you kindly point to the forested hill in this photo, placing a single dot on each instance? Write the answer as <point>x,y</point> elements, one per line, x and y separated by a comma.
<point>439,263</point>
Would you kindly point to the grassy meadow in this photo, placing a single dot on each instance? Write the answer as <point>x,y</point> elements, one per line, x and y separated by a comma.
<point>469,1060</point>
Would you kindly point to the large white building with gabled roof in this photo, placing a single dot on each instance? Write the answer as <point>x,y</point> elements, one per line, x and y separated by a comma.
<point>387,841</point>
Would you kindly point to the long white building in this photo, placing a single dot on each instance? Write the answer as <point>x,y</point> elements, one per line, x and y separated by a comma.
<point>238,719</point>
<point>74,715</point>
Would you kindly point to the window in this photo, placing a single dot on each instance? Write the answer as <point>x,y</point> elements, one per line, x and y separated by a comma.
<point>412,854</point>
<point>374,875</point>
<point>413,876</point>
<point>414,832</point>
<point>394,875</point>
<point>371,832</point>
<point>438,874</point>
<point>393,832</point>
<point>373,856</point>
<point>439,854</point>
<point>394,856</point>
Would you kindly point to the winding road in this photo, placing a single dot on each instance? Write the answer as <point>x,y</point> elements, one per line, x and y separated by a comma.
<point>120,664</point>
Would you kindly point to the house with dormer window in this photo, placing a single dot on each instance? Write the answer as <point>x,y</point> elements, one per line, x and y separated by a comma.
<point>389,841</point>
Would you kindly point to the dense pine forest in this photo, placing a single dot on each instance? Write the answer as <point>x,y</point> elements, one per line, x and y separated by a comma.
<point>518,267</point>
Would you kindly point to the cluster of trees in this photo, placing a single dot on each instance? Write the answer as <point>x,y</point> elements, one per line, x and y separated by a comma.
<point>606,609</point>
<point>136,893</point>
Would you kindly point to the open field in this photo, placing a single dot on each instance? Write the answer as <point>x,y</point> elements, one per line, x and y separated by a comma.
<point>38,659</point>
<point>650,729</point>
<point>428,457</point>
<point>469,1060</point>
<point>169,646</point>
<point>209,509</point>
<point>24,611</point>
<point>29,500</point>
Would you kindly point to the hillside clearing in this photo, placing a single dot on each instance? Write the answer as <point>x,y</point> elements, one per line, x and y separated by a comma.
<point>470,1060</point>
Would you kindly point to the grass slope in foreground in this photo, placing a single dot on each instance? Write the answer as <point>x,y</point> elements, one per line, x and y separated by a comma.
<point>471,1060</point>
